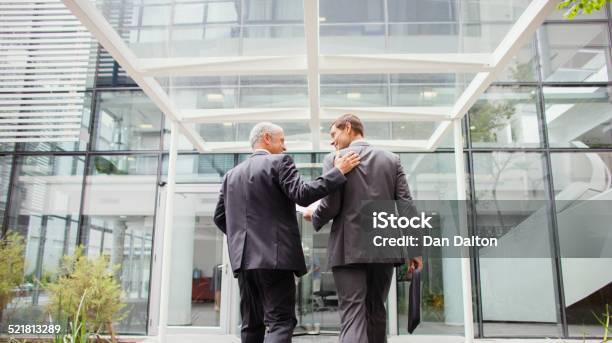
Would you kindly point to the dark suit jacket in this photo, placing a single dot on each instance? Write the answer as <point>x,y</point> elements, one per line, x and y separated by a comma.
<point>256,210</point>
<point>379,176</point>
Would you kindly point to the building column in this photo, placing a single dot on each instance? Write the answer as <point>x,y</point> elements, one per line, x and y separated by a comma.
<point>466,278</point>
<point>167,247</point>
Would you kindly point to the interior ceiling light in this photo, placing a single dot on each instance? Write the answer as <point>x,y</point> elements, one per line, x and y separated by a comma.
<point>429,94</point>
<point>214,97</point>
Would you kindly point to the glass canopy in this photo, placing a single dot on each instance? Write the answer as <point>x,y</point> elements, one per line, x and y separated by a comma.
<point>408,68</point>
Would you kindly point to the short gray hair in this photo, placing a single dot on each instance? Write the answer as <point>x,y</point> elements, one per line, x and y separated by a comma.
<point>260,129</point>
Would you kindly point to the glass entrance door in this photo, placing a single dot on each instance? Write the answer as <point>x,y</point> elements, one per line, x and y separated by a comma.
<point>199,272</point>
<point>317,298</point>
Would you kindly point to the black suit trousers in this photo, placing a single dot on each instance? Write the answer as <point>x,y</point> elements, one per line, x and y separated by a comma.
<point>267,299</point>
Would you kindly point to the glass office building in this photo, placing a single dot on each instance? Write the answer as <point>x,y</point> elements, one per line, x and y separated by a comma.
<point>541,130</point>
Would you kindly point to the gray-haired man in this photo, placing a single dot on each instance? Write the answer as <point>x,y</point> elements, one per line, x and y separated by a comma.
<point>256,210</point>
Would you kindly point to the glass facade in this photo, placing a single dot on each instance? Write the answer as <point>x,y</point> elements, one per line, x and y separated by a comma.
<point>44,208</point>
<point>543,131</point>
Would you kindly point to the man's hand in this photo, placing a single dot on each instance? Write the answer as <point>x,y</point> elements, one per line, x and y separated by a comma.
<point>307,214</point>
<point>415,262</point>
<point>347,162</point>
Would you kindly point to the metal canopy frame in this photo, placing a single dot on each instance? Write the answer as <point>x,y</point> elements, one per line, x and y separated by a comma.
<point>313,65</point>
<point>144,71</point>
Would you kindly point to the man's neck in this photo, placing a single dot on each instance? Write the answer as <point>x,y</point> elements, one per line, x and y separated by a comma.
<point>357,139</point>
<point>261,149</point>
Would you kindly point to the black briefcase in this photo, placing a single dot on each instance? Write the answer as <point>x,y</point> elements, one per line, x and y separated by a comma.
<point>414,299</point>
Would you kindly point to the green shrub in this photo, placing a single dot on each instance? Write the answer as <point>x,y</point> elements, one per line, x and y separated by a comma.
<point>12,264</point>
<point>86,289</point>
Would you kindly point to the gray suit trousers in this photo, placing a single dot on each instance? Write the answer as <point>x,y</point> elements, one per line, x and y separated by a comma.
<point>362,294</point>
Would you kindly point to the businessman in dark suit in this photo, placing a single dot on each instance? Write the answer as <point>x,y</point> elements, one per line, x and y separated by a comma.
<point>256,210</point>
<point>362,286</point>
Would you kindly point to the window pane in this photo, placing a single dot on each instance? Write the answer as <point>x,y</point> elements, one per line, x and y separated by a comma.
<point>427,89</point>
<point>77,116</point>
<point>352,38</point>
<point>273,11</point>
<point>188,13</point>
<point>354,91</point>
<point>118,211</point>
<point>432,177</point>
<point>351,11</point>
<point>522,67</point>
<point>233,92</point>
<point>415,10</point>
<point>226,11</point>
<point>209,168</point>
<point>274,40</point>
<point>45,210</point>
<point>126,120</point>
<point>446,37</point>
<point>580,179</point>
<point>505,117</point>
<point>558,15</point>
<point>511,305</point>
<point>7,146</point>
<point>386,131</point>
<point>380,90</point>
<point>578,117</point>
<point>5,178</point>
<point>575,52</point>
<point>197,260</point>
<point>156,15</point>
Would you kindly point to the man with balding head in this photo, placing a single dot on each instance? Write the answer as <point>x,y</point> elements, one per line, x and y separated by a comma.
<point>256,210</point>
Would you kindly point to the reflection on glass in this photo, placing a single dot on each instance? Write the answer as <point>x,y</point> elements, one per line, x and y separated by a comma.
<point>578,117</point>
<point>273,11</point>
<point>196,41</point>
<point>446,37</point>
<point>511,305</point>
<point>522,67</point>
<point>317,304</point>
<point>317,301</point>
<point>583,178</point>
<point>448,26</point>
<point>45,211</point>
<point>232,136</point>
<point>389,131</point>
<point>351,11</point>
<point>118,218</point>
<point>208,28</point>
<point>126,120</point>
<point>432,177</point>
<point>505,117</point>
<point>352,38</point>
<point>427,89</point>
<point>274,40</point>
<point>7,146</point>
<point>574,52</point>
<point>558,15</point>
<point>393,89</point>
<point>237,92</point>
<point>201,168</point>
<point>417,11</point>
<point>197,258</point>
